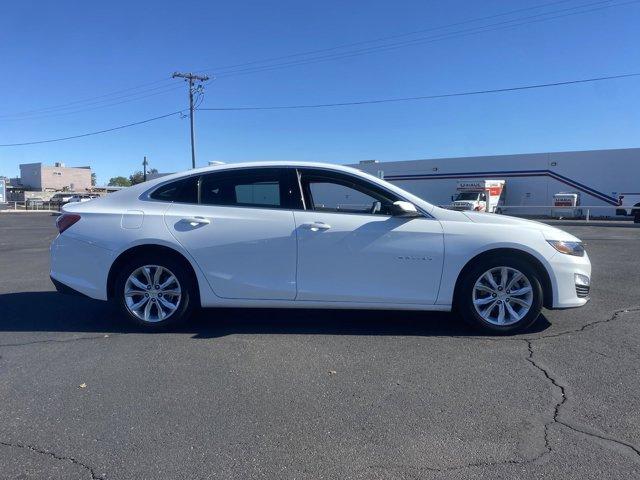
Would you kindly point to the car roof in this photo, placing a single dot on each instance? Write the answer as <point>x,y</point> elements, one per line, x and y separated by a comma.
<point>271,163</point>
<point>242,165</point>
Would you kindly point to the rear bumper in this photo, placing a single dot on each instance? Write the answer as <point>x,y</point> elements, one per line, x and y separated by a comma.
<point>66,289</point>
<point>80,266</point>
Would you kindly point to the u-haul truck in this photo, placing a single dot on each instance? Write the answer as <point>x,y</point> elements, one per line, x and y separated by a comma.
<point>479,195</point>
<point>565,205</point>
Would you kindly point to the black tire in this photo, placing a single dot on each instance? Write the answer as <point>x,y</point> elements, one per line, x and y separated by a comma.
<point>636,215</point>
<point>185,302</point>
<point>464,299</point>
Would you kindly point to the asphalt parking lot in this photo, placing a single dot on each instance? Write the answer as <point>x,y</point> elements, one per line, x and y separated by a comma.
<point>248,394</point>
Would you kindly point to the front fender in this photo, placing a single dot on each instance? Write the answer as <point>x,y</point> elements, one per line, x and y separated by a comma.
<point>461,247</point>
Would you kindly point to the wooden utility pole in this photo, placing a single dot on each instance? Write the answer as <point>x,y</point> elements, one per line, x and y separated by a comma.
<point>193,88</point>
<point>144,168</point>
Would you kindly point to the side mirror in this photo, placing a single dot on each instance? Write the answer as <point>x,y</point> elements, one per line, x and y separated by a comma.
<point>404,209</point>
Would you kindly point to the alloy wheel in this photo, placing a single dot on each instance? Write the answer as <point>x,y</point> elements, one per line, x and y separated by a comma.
<point>502,296</point>
<point>152,293</point>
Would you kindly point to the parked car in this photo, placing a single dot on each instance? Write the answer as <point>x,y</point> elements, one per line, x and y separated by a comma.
<point>310,235</point>
<point>82,198</point>
<point>61,198</point>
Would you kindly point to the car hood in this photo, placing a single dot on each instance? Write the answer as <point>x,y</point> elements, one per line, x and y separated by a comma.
<point>549,232</point>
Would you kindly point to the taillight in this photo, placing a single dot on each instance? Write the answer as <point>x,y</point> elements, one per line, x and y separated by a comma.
<point>65,220</point>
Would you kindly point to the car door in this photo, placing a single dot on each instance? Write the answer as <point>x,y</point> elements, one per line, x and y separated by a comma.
<point>241,232</point>
<point>352,249</point>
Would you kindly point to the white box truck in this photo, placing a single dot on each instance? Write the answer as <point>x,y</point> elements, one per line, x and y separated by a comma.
<point>479,195</point>
<point>564,205</point>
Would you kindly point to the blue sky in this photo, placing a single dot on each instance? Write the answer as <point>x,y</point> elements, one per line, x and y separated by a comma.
<point>59,52</point>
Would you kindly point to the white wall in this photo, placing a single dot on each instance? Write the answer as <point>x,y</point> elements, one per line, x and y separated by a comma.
<point>532,179</point>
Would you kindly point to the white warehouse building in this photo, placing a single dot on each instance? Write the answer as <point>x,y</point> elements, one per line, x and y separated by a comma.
<point>599,176</point>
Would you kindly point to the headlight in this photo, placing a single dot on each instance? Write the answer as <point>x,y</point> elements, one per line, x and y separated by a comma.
<point>570,248</point>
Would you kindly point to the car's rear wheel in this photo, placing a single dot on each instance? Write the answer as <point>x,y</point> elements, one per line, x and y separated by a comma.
<point>636,214</point>
<point>155,292</point>
<point>500,295</point>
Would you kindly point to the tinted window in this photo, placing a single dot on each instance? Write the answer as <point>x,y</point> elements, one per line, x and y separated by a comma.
<point>335,192</point>
<point>259,193</point>
<point>339,198</point>
<point>180,191</point>
<point>265,188</point>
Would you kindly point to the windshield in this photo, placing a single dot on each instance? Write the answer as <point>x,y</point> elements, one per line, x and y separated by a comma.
<point>467,196</point>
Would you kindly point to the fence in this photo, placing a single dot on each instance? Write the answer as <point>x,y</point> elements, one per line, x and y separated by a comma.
<point>581,211</point>
<point>32,205</point>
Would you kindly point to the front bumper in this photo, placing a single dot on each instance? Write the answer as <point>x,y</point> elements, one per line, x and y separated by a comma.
<point>567,293</point>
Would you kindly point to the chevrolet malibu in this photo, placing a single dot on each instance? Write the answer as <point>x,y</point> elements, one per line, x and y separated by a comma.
<point>309,235</point>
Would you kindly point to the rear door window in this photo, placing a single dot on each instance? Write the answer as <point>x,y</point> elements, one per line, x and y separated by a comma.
<point>259,188</point>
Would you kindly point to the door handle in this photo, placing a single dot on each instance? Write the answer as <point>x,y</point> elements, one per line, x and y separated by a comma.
<point>196,221</point>
<point>316,226</point>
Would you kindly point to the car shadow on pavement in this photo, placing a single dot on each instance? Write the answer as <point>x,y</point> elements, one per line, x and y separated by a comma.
<point>53,312</point>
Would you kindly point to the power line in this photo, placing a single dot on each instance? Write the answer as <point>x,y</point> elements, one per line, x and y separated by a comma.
<point>380,39</point>
<point>64,106</point>
<point>93,133</point>
<point>341,104</point>
<point>428,39</point>
<point>139,96</point>
<point>444,36</point>
<point>428,97</point>
<point>50,111</point>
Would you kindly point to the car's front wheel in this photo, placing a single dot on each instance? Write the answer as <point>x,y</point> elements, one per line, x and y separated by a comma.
<point>154,292</point>
<point>500,295</point>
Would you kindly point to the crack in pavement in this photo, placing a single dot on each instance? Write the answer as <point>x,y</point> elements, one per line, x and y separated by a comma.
<point>561,390</point>
<point>586,326</point>
<point>515,338</point>
<point>564,398</point>
<point>40,451</point>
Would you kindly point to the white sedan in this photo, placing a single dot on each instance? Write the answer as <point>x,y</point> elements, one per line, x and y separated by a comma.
<point>309,235</point>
